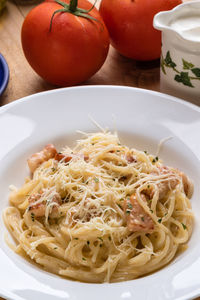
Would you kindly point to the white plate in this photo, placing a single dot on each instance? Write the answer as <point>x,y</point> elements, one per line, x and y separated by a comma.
<point>142,118</point>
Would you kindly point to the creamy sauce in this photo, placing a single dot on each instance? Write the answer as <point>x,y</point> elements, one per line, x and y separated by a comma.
<point>188,27</point>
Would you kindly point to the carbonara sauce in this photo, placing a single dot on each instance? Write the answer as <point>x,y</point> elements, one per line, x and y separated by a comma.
<point>188,27</point>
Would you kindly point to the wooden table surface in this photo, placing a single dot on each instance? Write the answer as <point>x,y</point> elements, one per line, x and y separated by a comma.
<point>117,70</point>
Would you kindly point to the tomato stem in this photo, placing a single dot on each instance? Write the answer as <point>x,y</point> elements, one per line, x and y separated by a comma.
<point>73,9</point>
<point>73,5</point>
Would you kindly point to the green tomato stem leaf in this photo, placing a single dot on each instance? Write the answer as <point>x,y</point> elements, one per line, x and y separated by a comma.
<point>73,5</point>
<point>65,5</point>
<point>55,12</point>
<point>85,10</point>
<point>73,9</point>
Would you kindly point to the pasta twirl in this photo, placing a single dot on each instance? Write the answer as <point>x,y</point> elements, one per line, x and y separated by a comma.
<point>100,212</point>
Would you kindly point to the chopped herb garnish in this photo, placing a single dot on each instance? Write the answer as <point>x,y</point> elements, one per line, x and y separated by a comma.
<point>100,238</point>
<point>119,144</point>
<point>148,186</point>
<point>121,199</point>
<point>155,159</point>
<point>142,218</point>
<point>118,150</point>
<point>128,212</point>
<point>53,169</point>
<point>76,238</point>
<point>119,205</point>
<point>160,220</point>
<point>165,214</point>
<point>109,238</point>
<point>130,205</point>
<point>184,226</point>
<point>151,210</point>
<point>59,152</point>
<point>33,217</point>
<point>55,248</point>
<point>96,179</point>
<point>83,258</point>
<point>88,242</point>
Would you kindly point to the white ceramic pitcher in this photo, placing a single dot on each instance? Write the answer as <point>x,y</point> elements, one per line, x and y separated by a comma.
<point>180,58</point>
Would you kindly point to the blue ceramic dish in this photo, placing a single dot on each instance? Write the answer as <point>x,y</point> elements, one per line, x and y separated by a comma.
<point>4,74</point>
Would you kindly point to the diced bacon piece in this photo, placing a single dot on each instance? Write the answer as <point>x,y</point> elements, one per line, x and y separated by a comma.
<point>166,185</point>
<point>38,209</point>
<point>187,185</point>
<point>49,151</point>
<point>130,158</point>
<point>136,217</point>
<point>65,158</point>
<point>86,158</point>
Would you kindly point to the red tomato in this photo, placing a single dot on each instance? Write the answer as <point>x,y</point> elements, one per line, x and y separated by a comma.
<point>74,49</point>
<point>130,24</point>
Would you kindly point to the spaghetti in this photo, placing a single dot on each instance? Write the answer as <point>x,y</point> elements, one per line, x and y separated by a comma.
<point>100,212</point>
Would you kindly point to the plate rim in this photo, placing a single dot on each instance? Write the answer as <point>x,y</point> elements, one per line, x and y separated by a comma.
<point>58,90</point>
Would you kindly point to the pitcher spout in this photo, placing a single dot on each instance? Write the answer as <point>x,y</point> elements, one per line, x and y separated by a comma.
<point>183,21</point>
<point>162,20</point>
